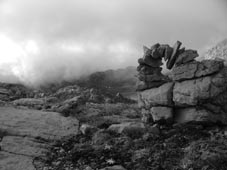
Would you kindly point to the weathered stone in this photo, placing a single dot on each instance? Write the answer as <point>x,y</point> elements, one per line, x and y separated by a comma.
<point>146,70</point>
<point>33,123</point>
<point>162,48</point>
<point>173,57</point>
<point>100,137</point>
<point>87,129</point>
<point>201,90</point>
<point>146,116</point>
<point>140,154</point>
<point>4,94</point>
<point>155,46</point>
<point>115,167</point>
<point>180,51</point>
<point>26,134</point>
<point>186,56</point>
<point>217,104</point>
<point>141,85</point>
<point>160,96</point>
<point>196,69</point>
<point>24,146</point>
<point>30,102</point>
<point>153,77</point>
<point>150,62</point>
<point>9,161</point>
<point>192,114</point>
<point>128,128</point>
<point>155,54</point>
<point>168,53</point>
<point>162,113</point>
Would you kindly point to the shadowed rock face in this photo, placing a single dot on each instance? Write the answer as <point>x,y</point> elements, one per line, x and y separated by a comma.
<point>198,91</point>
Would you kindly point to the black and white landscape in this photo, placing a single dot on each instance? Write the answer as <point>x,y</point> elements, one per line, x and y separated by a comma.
<point>113,85</point>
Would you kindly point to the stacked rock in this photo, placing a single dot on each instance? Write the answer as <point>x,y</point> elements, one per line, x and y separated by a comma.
<point>194,91</point>
<point>150,66</point>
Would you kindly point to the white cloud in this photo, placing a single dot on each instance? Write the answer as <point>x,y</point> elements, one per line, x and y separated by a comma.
<point>57,39</point>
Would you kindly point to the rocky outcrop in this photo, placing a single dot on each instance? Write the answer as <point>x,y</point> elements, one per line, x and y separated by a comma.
<point>195,91</point>
<point>27,134</point>
<point>150,67</point>
<point>196,69</point>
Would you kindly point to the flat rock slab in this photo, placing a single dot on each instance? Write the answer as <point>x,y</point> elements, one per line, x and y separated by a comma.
<point>26,134</point>
<point>197,91</point>
<point>160,96</point>
<point>10,161</point>
<point>33,123</point>
<point>196,69</point>
<point>24,145</point>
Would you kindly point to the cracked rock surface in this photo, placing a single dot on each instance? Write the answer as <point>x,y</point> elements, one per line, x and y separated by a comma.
<point>25,135</point>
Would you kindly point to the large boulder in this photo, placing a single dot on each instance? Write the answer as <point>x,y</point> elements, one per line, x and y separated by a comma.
<point>160,96</point>
<point>197,91</point>
<point>196,69</point>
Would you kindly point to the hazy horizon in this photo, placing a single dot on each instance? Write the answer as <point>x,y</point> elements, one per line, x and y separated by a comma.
<point>55,40</point>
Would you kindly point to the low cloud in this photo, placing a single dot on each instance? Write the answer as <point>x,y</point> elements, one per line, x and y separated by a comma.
<point>55,40</point>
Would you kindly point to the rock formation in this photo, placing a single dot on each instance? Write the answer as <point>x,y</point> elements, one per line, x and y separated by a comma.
<point>194,90</point>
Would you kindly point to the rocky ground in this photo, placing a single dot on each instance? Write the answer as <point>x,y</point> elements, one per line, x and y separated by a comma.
<point>107,136</point>
<point>27,134</point>
<point>79,128</point>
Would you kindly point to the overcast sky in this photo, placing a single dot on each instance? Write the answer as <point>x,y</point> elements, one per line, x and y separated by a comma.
<point>48,40</point>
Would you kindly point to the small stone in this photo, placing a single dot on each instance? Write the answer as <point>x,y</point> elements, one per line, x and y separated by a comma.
<point>88,168</point>
<point>87,129</point>
<point>225,133</point>
<point>115,167</point>
<point>129,128</point>
<point>140,154</point>
<point>154,130</point>
<point>100,137</point>
<point>173,57</point>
